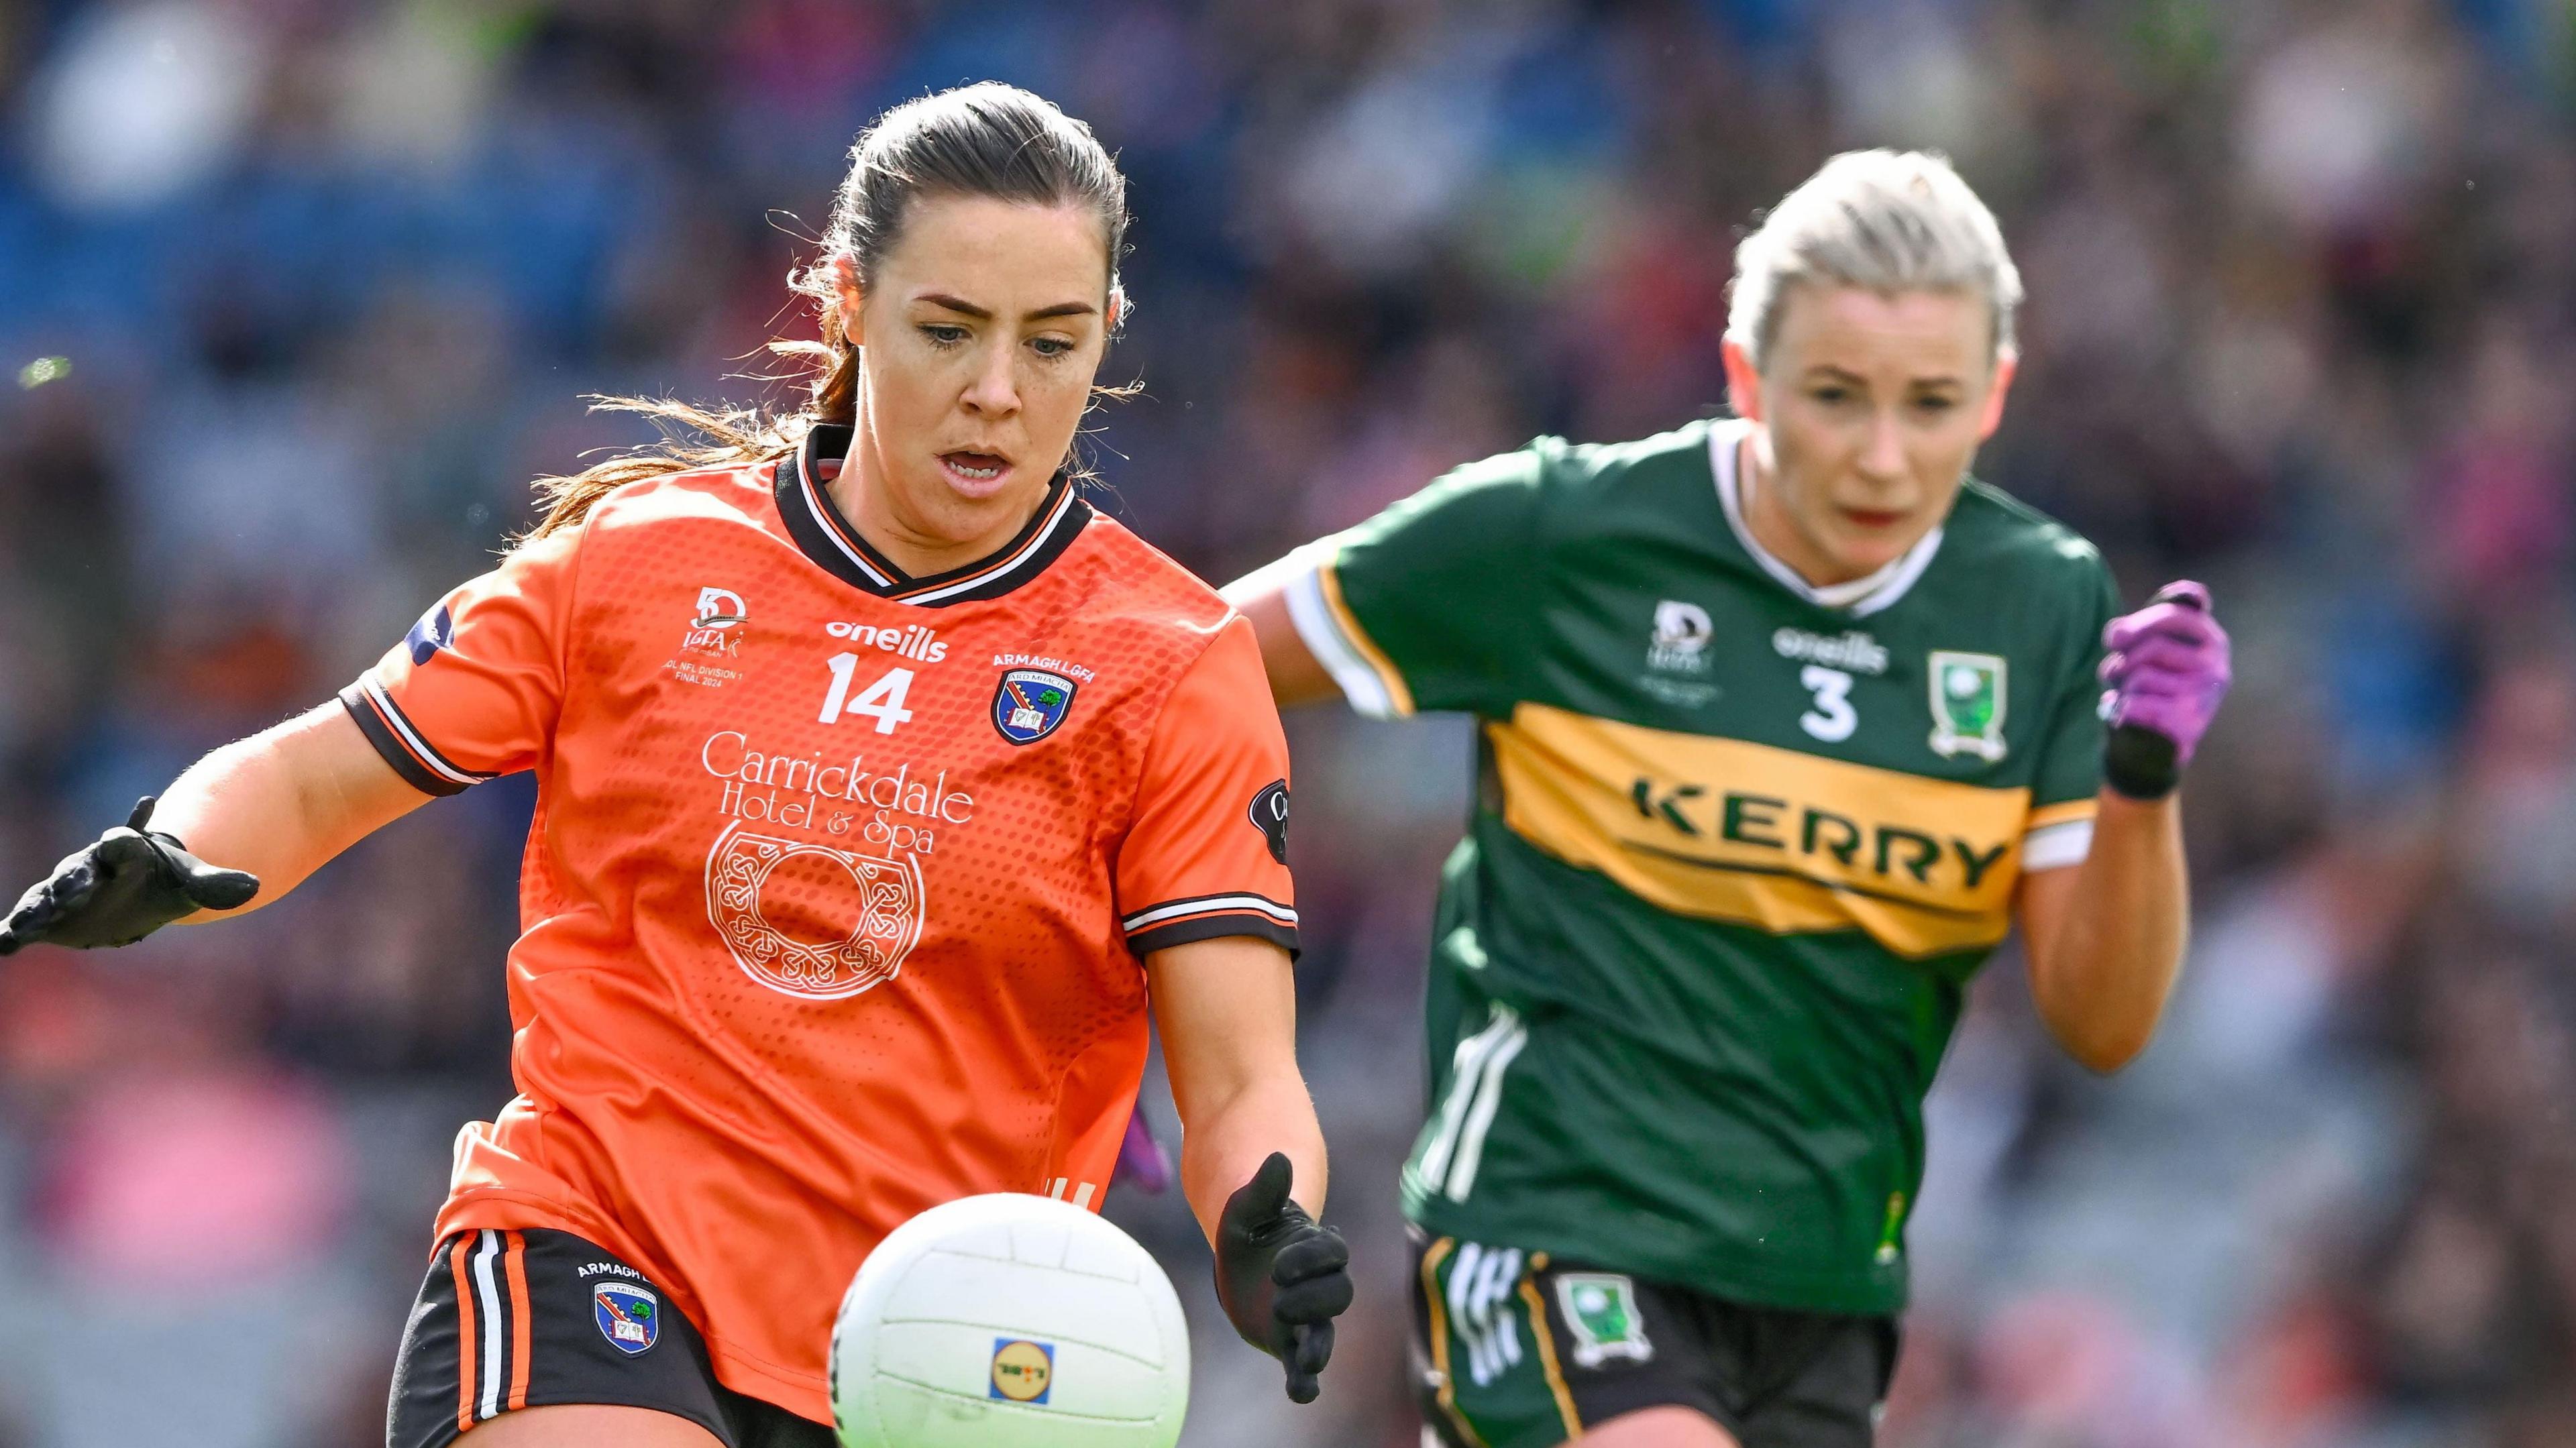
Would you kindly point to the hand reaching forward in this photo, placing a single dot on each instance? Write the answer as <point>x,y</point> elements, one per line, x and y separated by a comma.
<point>1281,1276</point>
<point>129,884</point>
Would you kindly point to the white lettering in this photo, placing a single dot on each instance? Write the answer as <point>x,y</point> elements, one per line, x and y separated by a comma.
<point>1854,650</point>
<point>706,752</point>
<point>1041,661</point>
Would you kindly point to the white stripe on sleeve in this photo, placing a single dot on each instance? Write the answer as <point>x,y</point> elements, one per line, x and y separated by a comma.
<point>2054,847</point>
<point>1323,636</point>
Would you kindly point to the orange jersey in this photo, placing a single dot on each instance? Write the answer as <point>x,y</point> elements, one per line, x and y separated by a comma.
<point>840,879</point>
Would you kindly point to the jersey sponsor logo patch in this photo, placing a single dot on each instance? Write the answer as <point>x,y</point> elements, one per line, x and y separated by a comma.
<point>628,1316</point>
<point>1023,1371</point>
<point>807,920</point>
<point>1967,704</point>
<point>1601,1308</point>
<point>1270,816</point>
<point>1680,642</point>
<point>436,630</point>
<point>1028,704</point>
<point>1781,840</point>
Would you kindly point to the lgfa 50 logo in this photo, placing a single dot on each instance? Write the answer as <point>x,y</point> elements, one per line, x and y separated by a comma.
<point>719,612</point>
<point>718,608</point>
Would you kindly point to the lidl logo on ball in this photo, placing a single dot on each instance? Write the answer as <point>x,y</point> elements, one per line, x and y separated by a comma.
<point>628,1316</point>
<point>1023,1371</point>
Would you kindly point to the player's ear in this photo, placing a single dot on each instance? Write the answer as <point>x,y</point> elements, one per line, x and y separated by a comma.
<point>852,294</point>
<point>2007,363</point>
<point>1743,380</point>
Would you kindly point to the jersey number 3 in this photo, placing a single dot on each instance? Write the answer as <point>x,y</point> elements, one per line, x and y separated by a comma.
<point>881,701</point>
<point>1832,720</point>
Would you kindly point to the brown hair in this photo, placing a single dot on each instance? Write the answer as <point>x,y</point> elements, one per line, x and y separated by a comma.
<point>986,140</point>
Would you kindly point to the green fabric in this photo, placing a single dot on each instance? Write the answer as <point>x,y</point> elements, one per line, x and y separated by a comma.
<point>1495,1347</point>
<point>1700,1100</point>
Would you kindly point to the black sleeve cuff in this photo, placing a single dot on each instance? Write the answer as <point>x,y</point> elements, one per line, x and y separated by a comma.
<point>1210,927</point>
<point>381,733</point>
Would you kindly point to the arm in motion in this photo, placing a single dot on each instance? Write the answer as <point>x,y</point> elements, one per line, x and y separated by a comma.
<point>1252,1155</point>
<point>2105,938</point>
<point>285,801</point>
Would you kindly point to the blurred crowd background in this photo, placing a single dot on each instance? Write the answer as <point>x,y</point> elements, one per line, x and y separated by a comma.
<point>298,295</point>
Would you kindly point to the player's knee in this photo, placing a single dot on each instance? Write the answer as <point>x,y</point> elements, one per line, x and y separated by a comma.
<point>1659,1428</point>
<point>587,1425</point>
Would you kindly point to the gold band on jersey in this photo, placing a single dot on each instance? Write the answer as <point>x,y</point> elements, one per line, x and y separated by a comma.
<point>2062,814</point>
<point>1329,579</point>
<point>1782,841</point>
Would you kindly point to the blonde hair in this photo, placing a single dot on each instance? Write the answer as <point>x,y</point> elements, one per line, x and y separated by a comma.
<point>1890,221</point>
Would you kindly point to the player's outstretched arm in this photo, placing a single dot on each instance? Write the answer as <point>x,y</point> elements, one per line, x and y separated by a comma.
<point>2106,937</point>
<point>1252,1155</point>
<point>1295,675</point>
<point>242,827</point>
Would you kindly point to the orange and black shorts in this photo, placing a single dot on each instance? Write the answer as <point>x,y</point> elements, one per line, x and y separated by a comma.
<point>510,1320</point>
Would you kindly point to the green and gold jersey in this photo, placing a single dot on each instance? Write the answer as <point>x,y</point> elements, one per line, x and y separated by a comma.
<point>1739,844</point>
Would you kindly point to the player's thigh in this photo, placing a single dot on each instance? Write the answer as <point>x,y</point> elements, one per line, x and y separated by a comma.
<point>588,1425</point>
<point>1659,1428</point>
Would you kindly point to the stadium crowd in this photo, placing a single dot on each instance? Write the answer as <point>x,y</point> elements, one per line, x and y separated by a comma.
<point>299,294</point>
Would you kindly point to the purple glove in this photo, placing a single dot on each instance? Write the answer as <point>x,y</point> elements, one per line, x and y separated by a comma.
<point>2167,670</point>
<point>1142,1160</point>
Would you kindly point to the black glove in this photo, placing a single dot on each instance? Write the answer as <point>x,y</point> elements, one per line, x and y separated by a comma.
<point>1281,1276</point>
<point>129,884</point>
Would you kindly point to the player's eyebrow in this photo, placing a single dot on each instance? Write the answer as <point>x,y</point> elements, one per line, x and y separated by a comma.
<point>1828,372</point>
<point>963,307</point>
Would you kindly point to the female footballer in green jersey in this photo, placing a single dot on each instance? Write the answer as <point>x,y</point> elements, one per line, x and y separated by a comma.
<point>1784,722</point>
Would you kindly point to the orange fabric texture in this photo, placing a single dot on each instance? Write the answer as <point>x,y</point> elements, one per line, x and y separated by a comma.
<point>516,1264</point>
<point>833,906</point>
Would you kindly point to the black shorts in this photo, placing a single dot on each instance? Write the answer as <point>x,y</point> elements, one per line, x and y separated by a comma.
<point>1514,1350</point>
<point>550,1318</point>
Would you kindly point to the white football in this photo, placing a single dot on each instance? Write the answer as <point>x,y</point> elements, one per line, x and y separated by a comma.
<point>1010,1321</point>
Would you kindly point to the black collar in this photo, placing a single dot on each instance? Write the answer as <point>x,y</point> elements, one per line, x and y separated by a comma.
<point>827,537</point>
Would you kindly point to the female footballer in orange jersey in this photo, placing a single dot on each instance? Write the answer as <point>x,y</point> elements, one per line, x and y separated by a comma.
<point>872,765</point>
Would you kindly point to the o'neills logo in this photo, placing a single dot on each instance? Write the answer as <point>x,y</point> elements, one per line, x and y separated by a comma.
<point>1853,650</point>
<point>912,641</point>
<point>899,811</point>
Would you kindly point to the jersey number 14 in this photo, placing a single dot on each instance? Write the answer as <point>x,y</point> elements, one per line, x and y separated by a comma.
<point>881,701</point>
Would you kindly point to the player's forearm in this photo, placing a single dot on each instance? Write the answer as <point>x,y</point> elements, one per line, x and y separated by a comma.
<point>283,802</point>
<point>1224,1142</point>
<point>2102,978</point>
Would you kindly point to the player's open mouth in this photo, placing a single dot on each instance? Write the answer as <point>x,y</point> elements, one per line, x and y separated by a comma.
<point>1875,518</point>
<point>974,472</point>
